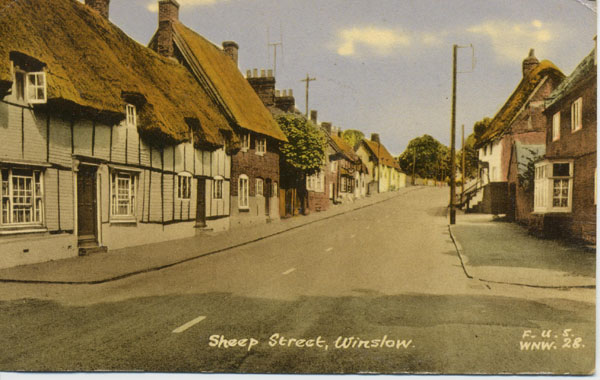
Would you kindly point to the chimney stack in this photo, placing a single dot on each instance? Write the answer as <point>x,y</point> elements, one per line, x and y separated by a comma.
<point>231,49</point>
<point>100,6</point>
<point>530,63</point>
<point>313,116</point>
<point>375,137</point>
<point>263,85</point>
<point>168,12</point>
<point>327,127</point>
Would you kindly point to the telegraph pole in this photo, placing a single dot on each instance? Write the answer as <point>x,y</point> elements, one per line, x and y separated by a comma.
<point>452,139</point>
<point>274,45</point>
<point>462,190</point>
<point>307,80</point>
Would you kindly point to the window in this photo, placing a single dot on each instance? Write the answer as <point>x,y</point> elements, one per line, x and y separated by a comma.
<point>36,87</point>
<point>576,115</point>
<point>20,85</point>
<point>243,192</point>
<point>556,126</point>
<point>261,145</point>
<point>553,187</point>
<point>131,119</point>
<point>245,142</point>
<point>334,166</point>
<point>218,188</point>
<point>22,197</point>
<point>275,190</point>
<point>259,187</point>
<point>184,186</point>
<point>315,182</point>
<point>123,190</point>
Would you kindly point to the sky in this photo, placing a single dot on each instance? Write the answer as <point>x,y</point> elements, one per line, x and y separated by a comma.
<point>385,66</point>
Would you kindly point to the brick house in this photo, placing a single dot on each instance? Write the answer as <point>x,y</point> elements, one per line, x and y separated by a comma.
<point>255,161</point>
<point>565,181</point>
<point>520,181</point>
<point>521,118</point>
<point>94,154</point>
<point>383,171</point>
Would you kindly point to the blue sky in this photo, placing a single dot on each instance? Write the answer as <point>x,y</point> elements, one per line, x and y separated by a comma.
<point>385,65</point>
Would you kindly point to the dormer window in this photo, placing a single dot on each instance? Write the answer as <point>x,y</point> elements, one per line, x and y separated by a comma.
<point>36,87</point>
<point>131,115</point>
<point>261,145</point>
<point>245,142</point>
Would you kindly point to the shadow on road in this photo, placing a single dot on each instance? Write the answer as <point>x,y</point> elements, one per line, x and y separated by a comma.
<point>447,334</point>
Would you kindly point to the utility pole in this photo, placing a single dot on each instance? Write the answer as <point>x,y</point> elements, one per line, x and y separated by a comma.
<point>414,163</point>
<point>462,190</point>
<point>453,138</point>
<point>274,45</point>
<point>307,80</point>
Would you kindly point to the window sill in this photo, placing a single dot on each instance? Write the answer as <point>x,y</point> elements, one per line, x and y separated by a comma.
<point>131,220</point>
<point>551,212</point>
<point>244,209</point>
<point>259,153</point>
<point>244,150</point>
<point>22,230</point>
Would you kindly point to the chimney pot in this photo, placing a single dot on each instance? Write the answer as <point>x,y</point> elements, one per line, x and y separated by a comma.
<point>255,73</point>
<point>277,93</point>
<point>290,92</point>
<point>375,137</point>
<point>262,73</point>
<point>530,63</point>
<point>231,48</point>
<point>248,73</point>
<point>270,73</point>
<point>100,6</point>
<point>284,92</point>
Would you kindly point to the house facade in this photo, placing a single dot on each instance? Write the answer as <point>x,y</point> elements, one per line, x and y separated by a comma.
<point>520,181</point>
<point>565,181</point>
<point>255,158</point>
<point>382,172</point>
<point>520,119</point>
<point>94,155</point>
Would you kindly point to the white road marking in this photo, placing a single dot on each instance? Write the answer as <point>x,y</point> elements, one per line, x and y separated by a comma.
<point>288,271</point>
<point>329,249</point>
<point>191,323</point>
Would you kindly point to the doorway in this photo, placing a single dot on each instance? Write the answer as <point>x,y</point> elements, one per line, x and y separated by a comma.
<point>201,203</point>
<point>87,220</point>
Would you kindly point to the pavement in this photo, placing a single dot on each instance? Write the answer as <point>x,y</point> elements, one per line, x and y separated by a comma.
<point>495,251</point>
<point>118,264</point>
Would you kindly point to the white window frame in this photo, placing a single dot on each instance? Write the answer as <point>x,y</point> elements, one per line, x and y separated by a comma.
<point>217,188</point>
<point>545,184</point>
<point>260,187</point>
<point>261,145</point>
<point>11,192</point>
<point>129,196</point>
<point>243,192</point>
<point>245,142</point>
<point>184,186</point>
<point>316,182</point>
<point>36,87</point>
<point>556,126</point>
<point>130,115</point>
<point>576,115</point>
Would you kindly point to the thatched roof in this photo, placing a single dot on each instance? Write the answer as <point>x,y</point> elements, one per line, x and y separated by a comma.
<point>501,123</point>
<point>344,148</point>
<point>216,70</point>
<point>381,154</point>
<point>586,70</point>
<point>93,66</point>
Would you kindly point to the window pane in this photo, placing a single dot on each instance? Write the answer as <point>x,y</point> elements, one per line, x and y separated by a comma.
<point>561,170</point>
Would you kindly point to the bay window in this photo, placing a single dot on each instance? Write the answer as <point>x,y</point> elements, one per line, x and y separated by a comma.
<point>553,190</point>
<point>22,197</point>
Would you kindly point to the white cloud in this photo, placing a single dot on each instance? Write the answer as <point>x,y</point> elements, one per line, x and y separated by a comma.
<point>511,41</point>
<point>153,6</point>
<point>378,40</point>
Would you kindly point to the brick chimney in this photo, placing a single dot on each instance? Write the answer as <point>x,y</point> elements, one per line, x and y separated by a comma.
<point>327,127</point>
<point>100,6</point>
<point>375,137</point>
<point>168,12</point>
<point>263,85</point>
<point>313,116</point>
<point>231,49</point>
<point>530,63</point>
<point>285,100</point>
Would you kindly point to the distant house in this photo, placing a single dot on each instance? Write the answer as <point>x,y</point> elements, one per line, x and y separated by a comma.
<point>520,180</point>
<point>105,144</point>
<point>383,171</point>
<point>255,161</point>
<point>521,118</point>
<point>565,181</point>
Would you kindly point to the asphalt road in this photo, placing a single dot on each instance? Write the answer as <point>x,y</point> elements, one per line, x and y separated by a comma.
<point>386,276</point>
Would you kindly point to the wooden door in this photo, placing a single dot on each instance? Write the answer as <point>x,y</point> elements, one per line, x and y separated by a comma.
<point>267,195</point>
<point>201,203</point>
<point>86,203</point>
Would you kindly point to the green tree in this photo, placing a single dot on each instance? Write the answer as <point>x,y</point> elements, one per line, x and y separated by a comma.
<point>353,137</point>
<point>471,157</point>
<point>304,152</point>
<point>432,158</point>
<point>480,127</point>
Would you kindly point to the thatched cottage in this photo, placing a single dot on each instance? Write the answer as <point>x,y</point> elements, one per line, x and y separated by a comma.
<point>105,143</point>
<point>255,165</point>
<point>384,172</point>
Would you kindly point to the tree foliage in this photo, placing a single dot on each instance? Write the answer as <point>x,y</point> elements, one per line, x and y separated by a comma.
<point>305,150</point>
<point>471,157</point>
<point>480,127</point>
<point>353,137</point>
<point>432,158</point>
